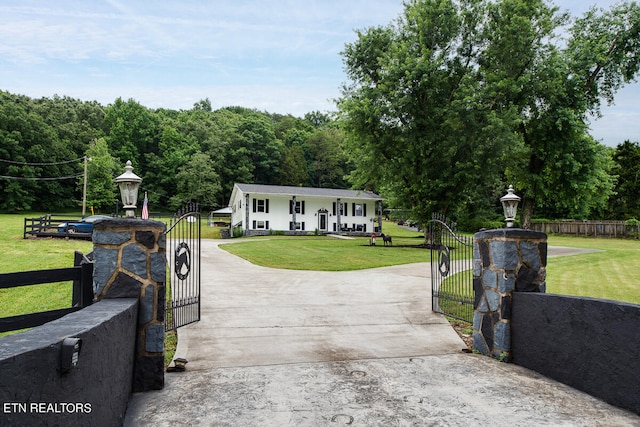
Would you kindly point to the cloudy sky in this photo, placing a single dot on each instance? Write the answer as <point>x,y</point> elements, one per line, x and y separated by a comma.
<point>280,56</point>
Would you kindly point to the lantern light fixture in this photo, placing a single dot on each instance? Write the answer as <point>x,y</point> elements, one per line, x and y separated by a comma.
<point>129,184</point>
<point>510,205</point>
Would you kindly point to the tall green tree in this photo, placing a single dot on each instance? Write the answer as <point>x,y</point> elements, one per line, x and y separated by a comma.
<point>325,158</point>
<point>197,182</point>
<point>203,105</point>
<point>102,168</point>
<point>457,95</point>
<point>160,178</point>
<point>293,169</point>
<point>234,165</point>
<point>317,118</point>
<point>625,204</point>
<point>250,151</point>
<point>255,136</point>
<point>561,163</point>
<point>131,131</point>
<point>419,124</point>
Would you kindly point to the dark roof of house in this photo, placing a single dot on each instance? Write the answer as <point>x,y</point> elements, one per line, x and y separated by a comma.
<point>307,191</point>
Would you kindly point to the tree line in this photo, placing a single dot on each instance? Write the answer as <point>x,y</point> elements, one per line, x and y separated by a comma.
<point>182,156</point>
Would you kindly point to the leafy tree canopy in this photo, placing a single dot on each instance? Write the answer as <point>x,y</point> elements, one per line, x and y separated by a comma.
<point>455,97</point>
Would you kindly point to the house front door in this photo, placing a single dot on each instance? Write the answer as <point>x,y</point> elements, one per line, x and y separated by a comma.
<point>322,221</point>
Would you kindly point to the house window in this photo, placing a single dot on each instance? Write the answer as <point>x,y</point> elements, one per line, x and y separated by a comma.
<point>261,205</point>
<point>260,225</point>
<point>358,209</point>
<point>296,226</point>
<point>299,207</point>
<point>357,227</point>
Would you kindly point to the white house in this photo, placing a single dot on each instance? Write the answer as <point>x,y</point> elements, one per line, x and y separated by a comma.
<point>259,209</point>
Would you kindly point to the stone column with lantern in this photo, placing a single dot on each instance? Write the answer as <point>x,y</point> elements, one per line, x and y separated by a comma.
<point>130,262</point>
<point>505,260</point>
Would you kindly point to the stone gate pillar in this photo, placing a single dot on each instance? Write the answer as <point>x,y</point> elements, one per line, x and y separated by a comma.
<point>505,260</point>
<point>130,262</point>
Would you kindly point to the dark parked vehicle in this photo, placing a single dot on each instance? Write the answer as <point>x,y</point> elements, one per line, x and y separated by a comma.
<point>85,225</point>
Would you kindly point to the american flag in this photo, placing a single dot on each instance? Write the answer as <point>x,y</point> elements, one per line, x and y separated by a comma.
<point>145,207</point>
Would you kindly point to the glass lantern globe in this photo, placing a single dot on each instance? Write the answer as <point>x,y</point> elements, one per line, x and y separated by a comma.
<point>510,206</point>
<point>129,184</point>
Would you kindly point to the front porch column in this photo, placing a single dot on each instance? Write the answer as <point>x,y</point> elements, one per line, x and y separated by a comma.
<point>293,213</point>
<point>246,214</point>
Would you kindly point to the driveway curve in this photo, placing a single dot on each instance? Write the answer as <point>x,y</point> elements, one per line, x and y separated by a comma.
<point>362,348</point>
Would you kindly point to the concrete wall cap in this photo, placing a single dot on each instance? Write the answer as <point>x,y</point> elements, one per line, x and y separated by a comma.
<point>103,224</point>
<point>510,233</point>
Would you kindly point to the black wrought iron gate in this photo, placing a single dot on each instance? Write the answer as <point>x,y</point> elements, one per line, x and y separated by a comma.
<point>183,268</point>
<point>451,270</point>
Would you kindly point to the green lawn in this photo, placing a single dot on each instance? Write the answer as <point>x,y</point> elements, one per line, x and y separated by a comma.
<point>34,254</point>
<point>323,253</point>
<point>610,274</point>
<point>331,253</point>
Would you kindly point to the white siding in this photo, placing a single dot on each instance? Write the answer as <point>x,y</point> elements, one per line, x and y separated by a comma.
<point>272,212</point>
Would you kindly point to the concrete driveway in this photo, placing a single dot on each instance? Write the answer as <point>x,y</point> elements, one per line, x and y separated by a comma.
<point>362,348</point>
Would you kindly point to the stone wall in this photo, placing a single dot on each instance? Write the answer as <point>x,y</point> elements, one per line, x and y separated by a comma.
<point>504,261</point>
<point>34,389</point>
<point>130,262</point>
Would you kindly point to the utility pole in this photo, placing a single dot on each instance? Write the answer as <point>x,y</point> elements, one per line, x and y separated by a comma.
<point>84,189</point>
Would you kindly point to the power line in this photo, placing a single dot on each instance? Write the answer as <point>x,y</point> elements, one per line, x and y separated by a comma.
<point>41,164</point>
<point>19,178</point>
<point>58,178</point>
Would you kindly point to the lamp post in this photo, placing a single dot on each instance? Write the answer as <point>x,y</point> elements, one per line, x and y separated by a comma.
<point>510,206</point>
<point>129,184</point>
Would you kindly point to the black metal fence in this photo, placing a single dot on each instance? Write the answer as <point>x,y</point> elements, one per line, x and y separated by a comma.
<point>451,270</point>
<point>183,263</point>
<point>81,275</point>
